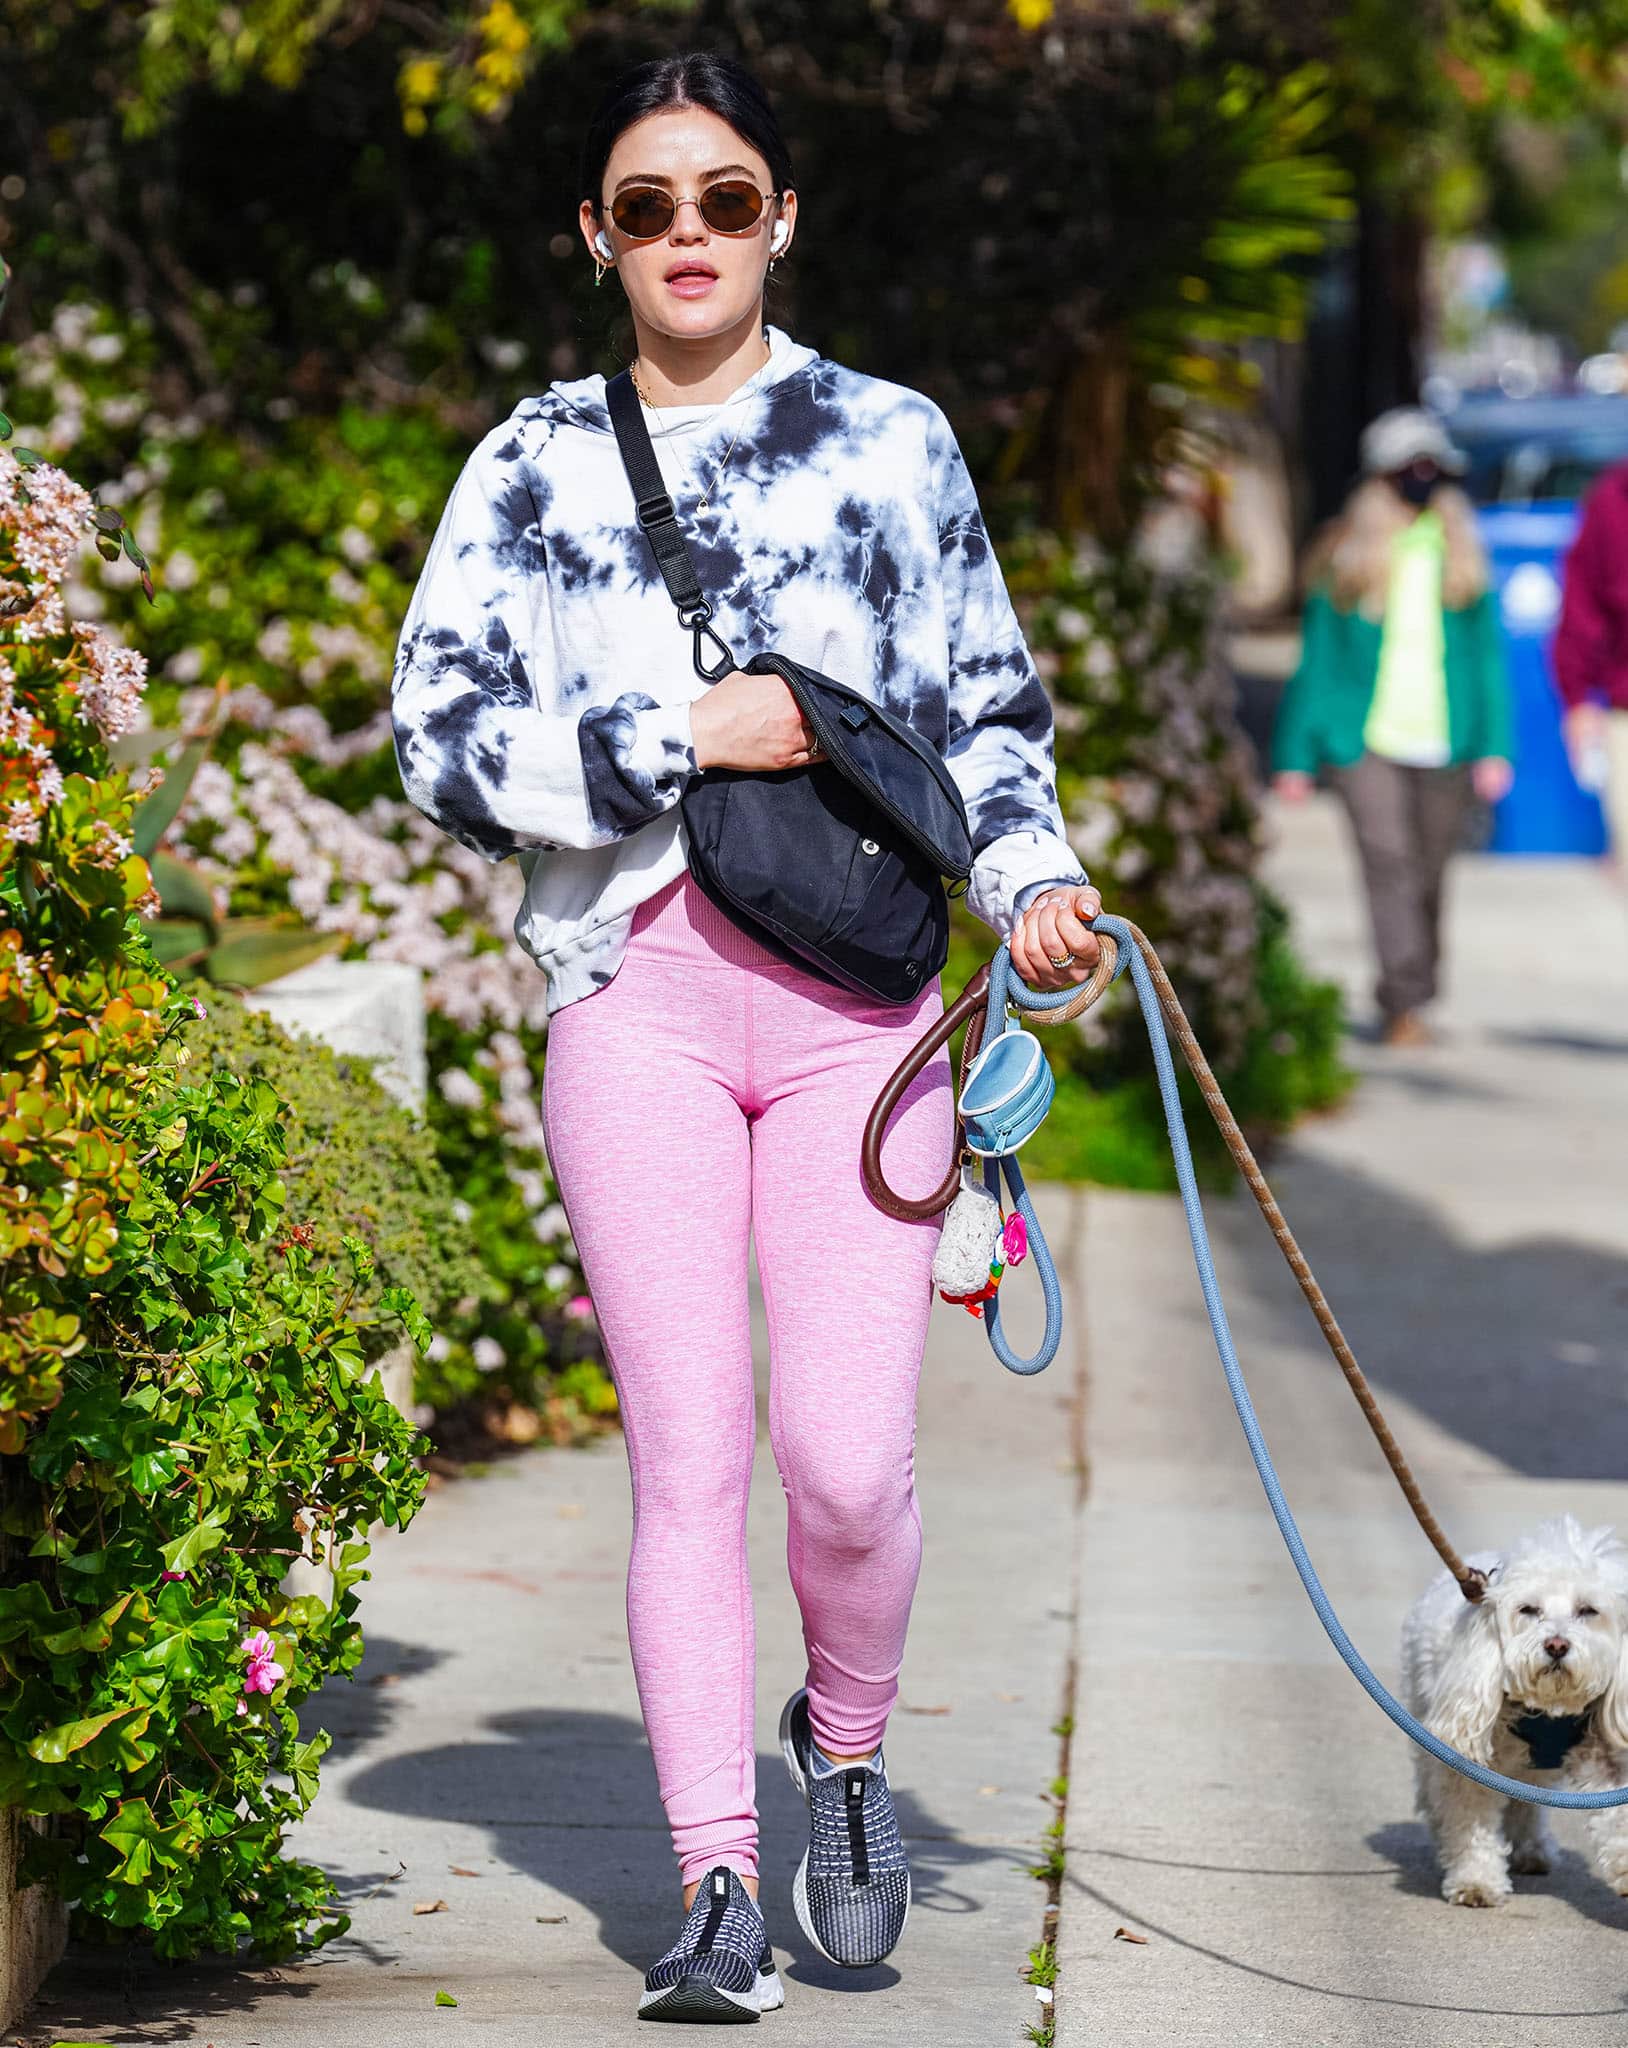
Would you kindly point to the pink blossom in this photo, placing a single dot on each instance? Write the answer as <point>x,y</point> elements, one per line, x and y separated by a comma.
<point>110,697</point>
<point>264,1673</point>
<point>579,1306</point>
<point>199,1008</point>
<point>169,1578</point>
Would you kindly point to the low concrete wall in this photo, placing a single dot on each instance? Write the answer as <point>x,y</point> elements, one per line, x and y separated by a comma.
<point>33,1924</point>
<point>374,1007</point>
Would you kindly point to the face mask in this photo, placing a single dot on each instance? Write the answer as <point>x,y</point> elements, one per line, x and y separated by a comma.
<point>1416,488</point>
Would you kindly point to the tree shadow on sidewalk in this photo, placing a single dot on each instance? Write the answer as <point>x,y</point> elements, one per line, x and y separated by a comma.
<point>569,1799</point>
<point>1521,1350</point>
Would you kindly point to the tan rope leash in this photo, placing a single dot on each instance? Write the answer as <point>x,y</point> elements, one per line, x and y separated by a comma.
<point>969,1006</point>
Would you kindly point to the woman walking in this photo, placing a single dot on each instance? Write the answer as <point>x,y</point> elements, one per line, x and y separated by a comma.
<point>1402,693</point>
<point>700,1090</point>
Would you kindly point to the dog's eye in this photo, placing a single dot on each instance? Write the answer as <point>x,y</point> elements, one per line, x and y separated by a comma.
<point>1528,1609</point>
<point>1586,1613</point>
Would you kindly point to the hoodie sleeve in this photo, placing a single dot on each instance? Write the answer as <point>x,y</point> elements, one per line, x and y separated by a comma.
<point>1583,638</point>
<point>1000,718</point>
<point>480,743</point>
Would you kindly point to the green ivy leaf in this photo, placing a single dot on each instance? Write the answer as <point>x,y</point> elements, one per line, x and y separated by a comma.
<point>57,1744</point>
<point>141,1844</point>
<point>89,1636</point>
<point>178,1627</point>
<point>302,1767</point>
<point>24,1610</point>
<point>183,1553</point>
<point>152,1471</point>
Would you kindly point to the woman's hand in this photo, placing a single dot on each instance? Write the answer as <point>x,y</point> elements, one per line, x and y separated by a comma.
<point>1492,779</point>
<point>1293,785</point>
<point>1584,728</point>
<point>750,722</point>
<point>1052,926</point>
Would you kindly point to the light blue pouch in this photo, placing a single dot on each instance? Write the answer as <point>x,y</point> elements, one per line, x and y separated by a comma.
<point>1009,1088</point>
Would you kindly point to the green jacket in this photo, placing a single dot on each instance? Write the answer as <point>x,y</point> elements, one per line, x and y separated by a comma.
<point>1325,705</point>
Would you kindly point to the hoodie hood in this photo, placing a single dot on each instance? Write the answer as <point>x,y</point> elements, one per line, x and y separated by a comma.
<point>581,403</point>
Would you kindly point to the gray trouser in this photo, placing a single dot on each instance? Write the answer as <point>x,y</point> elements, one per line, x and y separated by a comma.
<point>1407,823</point>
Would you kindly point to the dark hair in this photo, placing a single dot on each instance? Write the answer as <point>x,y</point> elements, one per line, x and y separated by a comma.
<point>694,78</point>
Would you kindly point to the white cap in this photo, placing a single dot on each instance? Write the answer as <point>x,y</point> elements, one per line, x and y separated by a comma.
<point>1408,434</point>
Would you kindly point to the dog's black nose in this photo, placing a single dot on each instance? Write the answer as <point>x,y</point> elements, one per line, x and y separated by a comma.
<point>1557,1647</point>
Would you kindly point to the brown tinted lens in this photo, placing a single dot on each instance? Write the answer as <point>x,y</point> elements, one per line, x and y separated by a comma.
<point>731,206</point>
<point>643,212</point>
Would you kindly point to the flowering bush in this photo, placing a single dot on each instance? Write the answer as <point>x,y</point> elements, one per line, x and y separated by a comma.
<point>289,557</point>
<point>171,1435</point>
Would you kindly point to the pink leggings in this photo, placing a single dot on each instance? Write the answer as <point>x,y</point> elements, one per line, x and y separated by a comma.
<point>705,1090</point>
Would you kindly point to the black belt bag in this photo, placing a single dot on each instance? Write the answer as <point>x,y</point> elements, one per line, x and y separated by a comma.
<point>838,866</point>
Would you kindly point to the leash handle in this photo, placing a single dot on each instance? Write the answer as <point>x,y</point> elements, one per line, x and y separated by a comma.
<point>981,1016</point>
<point>968,1009</point>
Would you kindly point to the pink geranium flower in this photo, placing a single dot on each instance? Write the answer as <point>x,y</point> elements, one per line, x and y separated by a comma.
<point>264,1673</point>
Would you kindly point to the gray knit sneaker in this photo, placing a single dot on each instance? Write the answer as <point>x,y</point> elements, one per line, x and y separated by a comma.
<point>852,1888</point>
<point>721,1968</point>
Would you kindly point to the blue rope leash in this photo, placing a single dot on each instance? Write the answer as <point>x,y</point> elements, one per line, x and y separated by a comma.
<point>1004,986</point>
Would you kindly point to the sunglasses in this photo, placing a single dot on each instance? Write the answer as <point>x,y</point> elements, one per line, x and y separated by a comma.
<point>732,206</point>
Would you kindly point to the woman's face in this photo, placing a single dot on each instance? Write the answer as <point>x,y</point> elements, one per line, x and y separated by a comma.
<point>690,281</point>
<point>1417,484</point>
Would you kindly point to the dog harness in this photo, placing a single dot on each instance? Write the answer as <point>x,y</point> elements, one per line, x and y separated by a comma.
<point>1551,1738</point>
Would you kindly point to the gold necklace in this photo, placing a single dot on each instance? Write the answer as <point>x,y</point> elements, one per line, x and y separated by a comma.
<point>704,499</point>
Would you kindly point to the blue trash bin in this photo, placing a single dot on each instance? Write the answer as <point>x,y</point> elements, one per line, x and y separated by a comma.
<point>1546,811</point>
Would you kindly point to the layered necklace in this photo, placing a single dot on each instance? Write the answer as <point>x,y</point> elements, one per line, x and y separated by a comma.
<point>705,497</point>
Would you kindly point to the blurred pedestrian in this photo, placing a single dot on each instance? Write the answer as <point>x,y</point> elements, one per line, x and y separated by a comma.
<point>1591,652</point>
<point>1401,693</point>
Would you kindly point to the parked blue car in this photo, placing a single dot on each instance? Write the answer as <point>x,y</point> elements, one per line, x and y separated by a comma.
<point>1532,461</point>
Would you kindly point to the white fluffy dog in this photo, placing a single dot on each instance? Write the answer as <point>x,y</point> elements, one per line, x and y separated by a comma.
<point>1533,1681</point>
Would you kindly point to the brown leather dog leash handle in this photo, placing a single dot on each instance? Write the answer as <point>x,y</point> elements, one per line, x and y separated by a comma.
<point>970,1006</point>
<point>968,1009</point>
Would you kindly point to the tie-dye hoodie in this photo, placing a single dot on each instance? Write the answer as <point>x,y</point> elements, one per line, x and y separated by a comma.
<point>543,684</point>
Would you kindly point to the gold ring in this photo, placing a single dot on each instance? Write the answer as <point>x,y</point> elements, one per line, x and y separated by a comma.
<point>1066,961</point>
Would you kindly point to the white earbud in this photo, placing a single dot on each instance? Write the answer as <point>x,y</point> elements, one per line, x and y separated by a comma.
<point>778,239</point>
<point>603,248</point>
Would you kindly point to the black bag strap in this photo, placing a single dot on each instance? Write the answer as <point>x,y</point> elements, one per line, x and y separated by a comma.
<point>660,523</point>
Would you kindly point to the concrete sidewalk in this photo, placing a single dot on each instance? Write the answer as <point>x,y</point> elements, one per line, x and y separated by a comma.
<point>1235,1799</point>
<point>491,1755</point>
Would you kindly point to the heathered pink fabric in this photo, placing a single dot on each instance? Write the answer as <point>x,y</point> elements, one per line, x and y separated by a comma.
<point>709,1089</point>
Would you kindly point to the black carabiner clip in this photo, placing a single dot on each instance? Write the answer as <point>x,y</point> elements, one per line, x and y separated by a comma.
<point>697,621</point>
